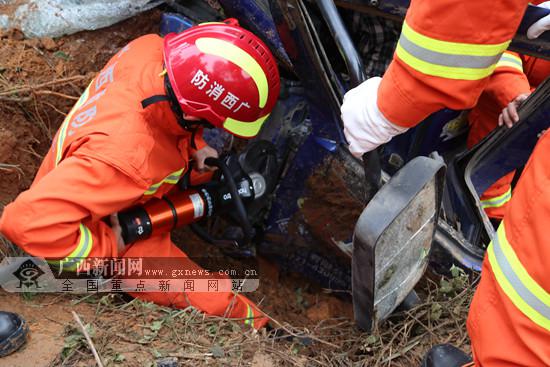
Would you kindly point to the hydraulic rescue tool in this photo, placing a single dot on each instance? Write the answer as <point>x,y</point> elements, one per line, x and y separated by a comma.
<point>240,188</point>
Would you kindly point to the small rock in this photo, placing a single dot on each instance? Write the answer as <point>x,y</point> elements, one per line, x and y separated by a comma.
<point>16,34</point>
<point>262,360</point>
<point>202,340</point>
<point>33,42</point>
<point>48,43</point>
<point>167,362</point>
<point>59,68</point>
<point>319,312</point>
<point>217,351</point>
<point>330,308</point>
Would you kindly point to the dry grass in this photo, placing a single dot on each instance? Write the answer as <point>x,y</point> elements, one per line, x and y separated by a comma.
<point>137,333</point>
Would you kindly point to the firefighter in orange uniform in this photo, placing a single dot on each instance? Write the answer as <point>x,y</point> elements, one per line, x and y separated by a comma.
<point>446,53</point>
<point>511,83</point>
<point>130,137</point>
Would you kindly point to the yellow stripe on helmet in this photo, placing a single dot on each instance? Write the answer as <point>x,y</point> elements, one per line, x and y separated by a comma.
<point>239,57</point>
<point>243,128</point>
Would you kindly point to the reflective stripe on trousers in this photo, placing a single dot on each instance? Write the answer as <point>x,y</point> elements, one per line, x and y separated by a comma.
<point>512,277</point>
<point>497,201</point>
<point>249,316</point>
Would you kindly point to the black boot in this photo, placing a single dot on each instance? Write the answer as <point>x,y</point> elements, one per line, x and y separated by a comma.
<point>13,332</point>
<point>445,355</point>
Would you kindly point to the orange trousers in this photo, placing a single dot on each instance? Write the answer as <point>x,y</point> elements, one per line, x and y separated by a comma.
<point>483,119</point>
<point>225,304</point>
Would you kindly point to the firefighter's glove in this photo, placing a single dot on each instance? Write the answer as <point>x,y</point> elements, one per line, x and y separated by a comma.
<point>364,125</point>
<point>541,25</point>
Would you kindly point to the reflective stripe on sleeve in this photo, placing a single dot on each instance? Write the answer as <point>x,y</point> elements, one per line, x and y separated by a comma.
<point>444,59</point>
<point>511,61</point>
<point>172,178</point>
<point>63,129</point>
<point>524,292</point>
<point>81,252</point>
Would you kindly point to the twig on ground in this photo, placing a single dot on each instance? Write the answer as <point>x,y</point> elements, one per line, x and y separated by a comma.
<point>62,95</point>
<point>202,356</point>
<point>46,58</point>
<point>302,335</point>
<point>402,352</point>
<point>11,167</point>
<point>32,152</point>
<point>54,108</point>
<point>16,99</point>
<point>88,339</point>
<point>30,88</point>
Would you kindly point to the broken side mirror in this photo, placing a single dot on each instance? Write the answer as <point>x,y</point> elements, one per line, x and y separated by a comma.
<point>393,238</point>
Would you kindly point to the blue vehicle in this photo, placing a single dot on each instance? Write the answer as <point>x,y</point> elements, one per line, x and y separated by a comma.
<point>411,204</point>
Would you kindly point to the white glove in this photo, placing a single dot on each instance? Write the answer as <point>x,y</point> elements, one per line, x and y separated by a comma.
<point>364,125</point>
<point>541,25</point>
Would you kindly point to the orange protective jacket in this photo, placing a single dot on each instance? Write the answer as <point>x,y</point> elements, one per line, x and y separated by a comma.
<point>111,153</point>
<point>445,54</point>
<point>515,74</point>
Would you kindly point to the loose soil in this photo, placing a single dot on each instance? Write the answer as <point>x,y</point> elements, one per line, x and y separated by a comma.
<point>40,80</point>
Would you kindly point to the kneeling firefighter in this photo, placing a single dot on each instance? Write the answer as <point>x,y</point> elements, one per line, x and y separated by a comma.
<point>129,139</point>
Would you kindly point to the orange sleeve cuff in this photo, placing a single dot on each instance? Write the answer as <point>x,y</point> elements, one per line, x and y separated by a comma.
<point>395,103</point>
<point>506,85</point>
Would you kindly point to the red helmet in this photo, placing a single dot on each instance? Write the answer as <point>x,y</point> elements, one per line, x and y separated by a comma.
<point>224,74</point>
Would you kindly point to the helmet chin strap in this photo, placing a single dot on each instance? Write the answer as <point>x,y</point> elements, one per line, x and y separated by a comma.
<point>176,108</point>
<point>189,125</point>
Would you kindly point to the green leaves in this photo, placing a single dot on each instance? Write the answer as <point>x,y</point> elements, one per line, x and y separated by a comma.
<point>62,55</point>
<point>456,284</point>
<point>75,340</point>
<point>436,311</point>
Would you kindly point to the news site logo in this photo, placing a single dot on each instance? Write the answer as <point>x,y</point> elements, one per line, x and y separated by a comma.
<point>28,274</point>
<point>164,275</point>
